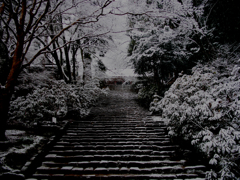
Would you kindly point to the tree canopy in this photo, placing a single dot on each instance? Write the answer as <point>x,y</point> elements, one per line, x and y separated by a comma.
<point>163,42</point>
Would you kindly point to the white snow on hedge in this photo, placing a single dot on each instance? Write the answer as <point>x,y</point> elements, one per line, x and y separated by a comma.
<point>205,108</point>
<point>52,98</point>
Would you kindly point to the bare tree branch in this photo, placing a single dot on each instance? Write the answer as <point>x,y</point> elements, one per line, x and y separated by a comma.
<point>107,3</point>
<point>8,27</point>
<point>31,16</point>
<point>13,14</point>
<point>2,8</point>
<point>36,11</point>
<point>36,24</point>
<point>72,41</point>
<point>56,7</point>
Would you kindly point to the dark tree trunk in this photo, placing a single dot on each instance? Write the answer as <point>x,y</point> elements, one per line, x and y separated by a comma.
<point>60,52</point>
<point>4,108</point>
<point>157,80</point>
<point>4,98</point>
<point>74,52</point>
<point>55,56</point>
<point>5,63</point>
<point>7,91</point>
<point>81,51</point>
<point>66,51</point>
<point>87,75</point>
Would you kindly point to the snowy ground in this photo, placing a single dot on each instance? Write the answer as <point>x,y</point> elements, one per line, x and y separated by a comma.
<point>13,152</point>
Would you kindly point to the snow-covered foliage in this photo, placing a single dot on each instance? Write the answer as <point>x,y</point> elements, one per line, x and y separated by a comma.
<point>51,98</point>
<point>165,38</point>
<point>205,108</point>
<point>15,155</point>
<point>165,41</point>
<point>146,93</point>
<point>33,78</point>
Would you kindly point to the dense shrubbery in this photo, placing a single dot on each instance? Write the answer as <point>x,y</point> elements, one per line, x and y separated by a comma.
<point>44,98</point>
<point>145,94</point>
<point>145,89</point>
<point>205,108</point>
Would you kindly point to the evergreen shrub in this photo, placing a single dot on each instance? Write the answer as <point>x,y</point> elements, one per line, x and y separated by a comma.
<point>204,108</point>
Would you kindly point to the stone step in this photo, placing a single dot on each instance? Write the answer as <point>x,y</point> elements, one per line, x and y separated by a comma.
<point>115,132</point>
<point>107,139</point>
<point>119,129</point>
<point>115,135</point>
<point>128,147</point>
<point>164,155</point>
<point>116,119</point>
<point>112,163</point>
<point>115,157</point>
<point>113,119</point>
<point>114,149</point>
<point>69,169</point>
<point>110,132</point>
<point>126,142</point>
<point>101,123</point>
<point>135,119</point>
<point>111,147</point>
<point>120,163</point>
<point>123,129</point>
<point>119,121</point>
<point>110,175</point>
<point>165,150</point>
<point>121,118</point>
<point>107,136</point>
<point>87,134</point>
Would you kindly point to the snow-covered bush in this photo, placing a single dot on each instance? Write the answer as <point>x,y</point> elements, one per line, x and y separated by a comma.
<point>33,78</point>
<point>56,100</point>
<point>146,93</point>
<point>205,108</point>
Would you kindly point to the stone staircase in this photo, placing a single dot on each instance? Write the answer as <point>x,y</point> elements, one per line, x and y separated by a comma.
<point>117,141</point>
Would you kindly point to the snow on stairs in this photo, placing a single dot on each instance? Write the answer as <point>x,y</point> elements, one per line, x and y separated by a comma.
<point>119,147</point>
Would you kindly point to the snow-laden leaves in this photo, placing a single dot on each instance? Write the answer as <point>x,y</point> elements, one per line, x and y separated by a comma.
<point>204,108</point>
<point>161,42</point>
<point>44,103</point>
<point>213,161</point>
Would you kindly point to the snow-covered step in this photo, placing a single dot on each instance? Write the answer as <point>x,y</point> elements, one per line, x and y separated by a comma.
<point>109,132</point>
<point>69,169</point>
<point>100,136</point>
<point>139,143</point>
<point>110,176</point>
<point>154,164</point>
<point>116,157</point>
<point>111,150</point>
<point>112,146</point>
<point>90,139</point>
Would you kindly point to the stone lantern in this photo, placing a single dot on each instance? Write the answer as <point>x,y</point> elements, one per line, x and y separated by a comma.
<point>156,98</point>
<point>153,105</point>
